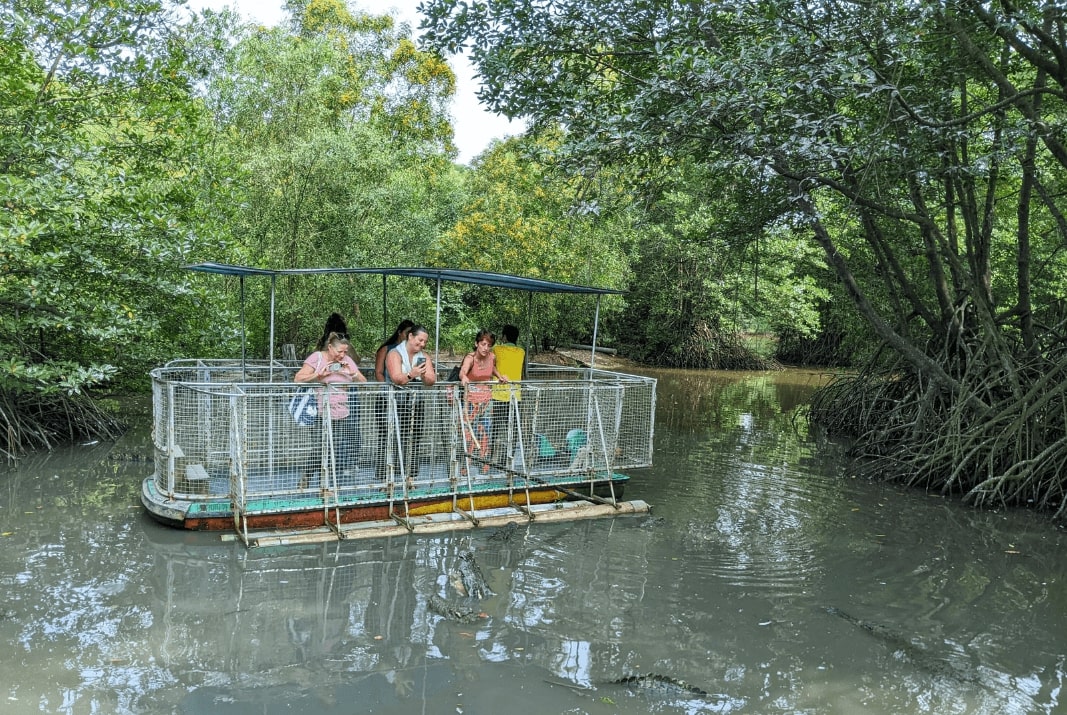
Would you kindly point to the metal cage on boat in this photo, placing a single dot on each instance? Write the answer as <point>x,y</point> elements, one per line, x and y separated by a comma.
<point>229,453</point>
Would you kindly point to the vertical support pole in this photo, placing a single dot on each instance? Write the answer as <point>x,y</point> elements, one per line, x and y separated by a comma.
<point>437,325</point>
<point>385,306</point>
<point>170,439</point>
<point>241,280</point>
<point>273,284</point>
<point>596,326</point>
<point>529,326</point>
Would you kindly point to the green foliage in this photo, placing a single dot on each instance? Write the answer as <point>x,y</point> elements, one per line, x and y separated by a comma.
<point>530,217</point>
<point>903,201</point>
<point>719,247</point>
<point>102,165</point>
<point>920,147</point>
<point>337,127</point>
<point>718,257</point>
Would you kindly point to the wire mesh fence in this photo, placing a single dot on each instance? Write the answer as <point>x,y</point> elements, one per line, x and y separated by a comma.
<point>229,429</point>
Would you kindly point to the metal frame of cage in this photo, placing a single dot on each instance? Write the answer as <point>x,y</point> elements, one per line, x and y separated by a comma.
<point>222,429</point>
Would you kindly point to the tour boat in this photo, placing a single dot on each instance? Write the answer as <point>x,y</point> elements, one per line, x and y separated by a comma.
<point>230,454</point>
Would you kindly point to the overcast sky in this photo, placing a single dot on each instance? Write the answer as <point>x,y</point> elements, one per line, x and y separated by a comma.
<point>474,127</point>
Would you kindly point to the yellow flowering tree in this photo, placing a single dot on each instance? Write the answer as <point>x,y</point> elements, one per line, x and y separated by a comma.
<point>529,215</point>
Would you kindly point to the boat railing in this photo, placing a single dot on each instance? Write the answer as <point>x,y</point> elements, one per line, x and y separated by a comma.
<point>223,427</point>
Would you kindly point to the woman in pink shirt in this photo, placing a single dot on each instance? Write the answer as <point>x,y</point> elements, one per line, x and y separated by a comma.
<point>333,366</point>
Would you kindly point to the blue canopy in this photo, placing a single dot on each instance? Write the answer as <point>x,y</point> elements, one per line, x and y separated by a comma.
<point>454,275</point>
<point>439,275</point>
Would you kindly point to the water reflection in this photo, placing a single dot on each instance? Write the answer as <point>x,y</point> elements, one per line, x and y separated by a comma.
<point>767,577</point>
<point>319,619</point>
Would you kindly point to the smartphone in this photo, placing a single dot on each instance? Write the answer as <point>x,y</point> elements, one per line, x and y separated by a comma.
<point>420,360</point>
<point>335,366</point>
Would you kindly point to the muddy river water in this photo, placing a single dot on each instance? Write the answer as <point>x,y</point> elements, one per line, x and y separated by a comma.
<point>768,579</point>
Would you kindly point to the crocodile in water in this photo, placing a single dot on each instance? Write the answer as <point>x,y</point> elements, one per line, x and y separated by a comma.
<point>452,611</point>
<point>468,580</point>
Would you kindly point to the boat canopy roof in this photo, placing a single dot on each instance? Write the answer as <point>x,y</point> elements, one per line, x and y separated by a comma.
<point>439,275</point>
<point>454,275</point>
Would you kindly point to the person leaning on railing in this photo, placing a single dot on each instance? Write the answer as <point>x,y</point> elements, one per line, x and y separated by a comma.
<point>381,402</point>
<point>333,366</point>
<point>477,370</point>
<point>408,365</point>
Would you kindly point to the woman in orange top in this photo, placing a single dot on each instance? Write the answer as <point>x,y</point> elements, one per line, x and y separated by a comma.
<point>478,368</point>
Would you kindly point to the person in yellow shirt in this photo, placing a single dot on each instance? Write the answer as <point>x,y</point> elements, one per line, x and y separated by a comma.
<point>511,363</point>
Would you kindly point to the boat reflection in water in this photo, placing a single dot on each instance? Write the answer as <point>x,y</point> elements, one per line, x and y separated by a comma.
<point>329,625</point>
